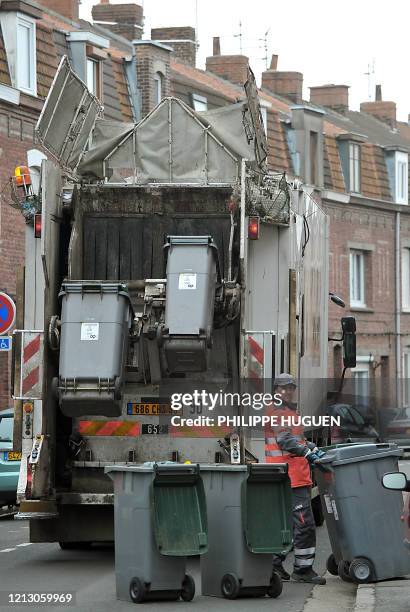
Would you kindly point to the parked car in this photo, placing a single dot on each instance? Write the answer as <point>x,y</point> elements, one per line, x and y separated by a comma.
<point>9,460</point>
<point>398,430</point>
<point>354,427</point>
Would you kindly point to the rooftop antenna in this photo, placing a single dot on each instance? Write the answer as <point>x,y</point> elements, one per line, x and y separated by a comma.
<point>239,35</point>
<point>196,25</point>
<point>265,46</point>
<point>370,76</point>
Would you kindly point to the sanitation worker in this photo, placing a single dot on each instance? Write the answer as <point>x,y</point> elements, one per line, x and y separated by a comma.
<point>286,444</point>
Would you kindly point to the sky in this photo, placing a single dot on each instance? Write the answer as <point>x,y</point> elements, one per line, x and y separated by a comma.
<point>355,42</point>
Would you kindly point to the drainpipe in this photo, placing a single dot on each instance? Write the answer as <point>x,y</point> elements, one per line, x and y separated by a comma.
<point>398,309</point>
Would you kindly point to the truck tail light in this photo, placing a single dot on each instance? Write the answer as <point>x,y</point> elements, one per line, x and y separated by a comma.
<point>37,226</point>
<point>253,228</point>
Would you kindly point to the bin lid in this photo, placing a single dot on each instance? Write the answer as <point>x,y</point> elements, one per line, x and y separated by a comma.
<point>359,452</point>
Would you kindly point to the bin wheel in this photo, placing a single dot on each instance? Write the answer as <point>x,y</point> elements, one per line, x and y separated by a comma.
<point>275,587</point>
<point>361,570</point>
<point>332,566</point>
<point>137,590</point>
<point>230,586</point>
<point>343,571</point>
<point>188,588</point>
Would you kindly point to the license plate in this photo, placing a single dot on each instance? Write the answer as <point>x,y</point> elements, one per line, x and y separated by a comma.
<point>149,408</point>
<point>12,456</point>
<point>147,428</point>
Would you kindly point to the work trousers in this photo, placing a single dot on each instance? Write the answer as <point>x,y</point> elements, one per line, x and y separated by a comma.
<point>304,531</point>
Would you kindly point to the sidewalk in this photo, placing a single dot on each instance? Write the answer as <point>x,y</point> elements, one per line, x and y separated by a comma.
<point>340,596</point>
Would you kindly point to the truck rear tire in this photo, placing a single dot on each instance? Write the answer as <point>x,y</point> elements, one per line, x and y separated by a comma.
<point>75,545</point>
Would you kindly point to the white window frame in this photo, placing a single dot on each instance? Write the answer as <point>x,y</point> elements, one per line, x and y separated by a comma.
<point>158,80</point>
<point>362,372</point>
<point>93,87</point>
<point>200,103</point>
<point>357,286</point>
<point>30,24</point>
<point>405,279</point>
<point>354,167</point>
<point>402,177</point>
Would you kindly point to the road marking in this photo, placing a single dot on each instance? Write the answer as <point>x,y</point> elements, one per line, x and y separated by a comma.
<point>25,544</point>
<point>7,550</point>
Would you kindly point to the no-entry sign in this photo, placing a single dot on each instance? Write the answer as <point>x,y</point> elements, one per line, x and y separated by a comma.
<point>7,313</point>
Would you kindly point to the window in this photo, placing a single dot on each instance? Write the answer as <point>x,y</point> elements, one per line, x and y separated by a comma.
<point>402,180</point>
<point>313,157</point>
<point>360,375</point>
<point>200,103</point>
<point>406,378</point>
<point>93,76</point>
<point>354,167</point>
<point>157,88</point>
<point>357,297</point>
<point>264,114</point>
<point>405,279</point>
<point>26,56</point>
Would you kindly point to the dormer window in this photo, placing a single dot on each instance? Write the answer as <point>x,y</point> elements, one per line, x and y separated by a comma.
<point>26,55</point>
<point>402,177</point>
<point>93,76</point>
<point>200,103</point>
<point>354,167</point>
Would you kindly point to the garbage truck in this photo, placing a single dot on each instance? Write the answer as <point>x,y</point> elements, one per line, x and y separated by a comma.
<point>160,256</point>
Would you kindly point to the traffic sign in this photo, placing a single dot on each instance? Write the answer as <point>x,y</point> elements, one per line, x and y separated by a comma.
<point>7,313</point>
<point>5,343</point>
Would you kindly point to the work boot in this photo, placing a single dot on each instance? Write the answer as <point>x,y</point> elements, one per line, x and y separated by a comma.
<point>309,576</point>
<point>280,570</point>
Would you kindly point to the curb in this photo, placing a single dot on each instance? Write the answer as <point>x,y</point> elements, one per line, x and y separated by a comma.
<point>365,598</point>
<point>323,598</point>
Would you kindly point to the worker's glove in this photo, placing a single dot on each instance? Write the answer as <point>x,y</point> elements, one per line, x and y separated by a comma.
<point>318,452</point>
<point>311,456</point>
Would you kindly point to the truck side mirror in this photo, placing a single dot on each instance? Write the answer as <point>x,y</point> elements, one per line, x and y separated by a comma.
<point>396,481</point>
<point>349,341</point>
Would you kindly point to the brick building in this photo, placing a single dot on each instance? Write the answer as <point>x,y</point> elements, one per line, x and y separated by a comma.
<point>354,163</point>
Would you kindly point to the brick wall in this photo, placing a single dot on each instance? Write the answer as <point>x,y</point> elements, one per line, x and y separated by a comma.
<point>231,67</point>
<point>16,137</point>
<point>354,225</point>
<point>67,8</point>
<point>151,59</point>
<point>182,40</point>
<point>124,19</point>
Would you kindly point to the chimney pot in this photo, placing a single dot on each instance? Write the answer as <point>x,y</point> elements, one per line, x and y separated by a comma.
<point>378,96</point>
<point>216,46</point>
<point>274,62</point>
<point>332,96</point>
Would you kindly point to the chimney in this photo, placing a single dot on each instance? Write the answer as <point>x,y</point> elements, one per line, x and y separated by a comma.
<point>181,39</point>
<point>286,84</point>
<point>332,96</point>
<point>66,8</point>
<point>233,68</point>
<point>124,19</point>
<point>216,46</point>
<point>383,110</point>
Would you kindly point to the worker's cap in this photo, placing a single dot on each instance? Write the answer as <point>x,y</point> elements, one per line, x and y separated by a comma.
<point>284,380</point>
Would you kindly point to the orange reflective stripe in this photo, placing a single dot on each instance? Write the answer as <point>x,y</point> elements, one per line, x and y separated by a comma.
<point>109,428</point>
<point>200,432</point>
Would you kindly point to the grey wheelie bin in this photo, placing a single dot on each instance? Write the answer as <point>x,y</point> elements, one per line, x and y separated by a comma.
<point>362,518</point>
<point>249,519</point>
<point>160,520</point>
<point>96,317</point>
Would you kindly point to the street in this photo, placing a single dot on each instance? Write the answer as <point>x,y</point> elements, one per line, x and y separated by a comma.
<point>89,575</point>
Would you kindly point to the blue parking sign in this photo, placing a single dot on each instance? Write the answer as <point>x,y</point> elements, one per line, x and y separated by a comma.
<point>5,343</point>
